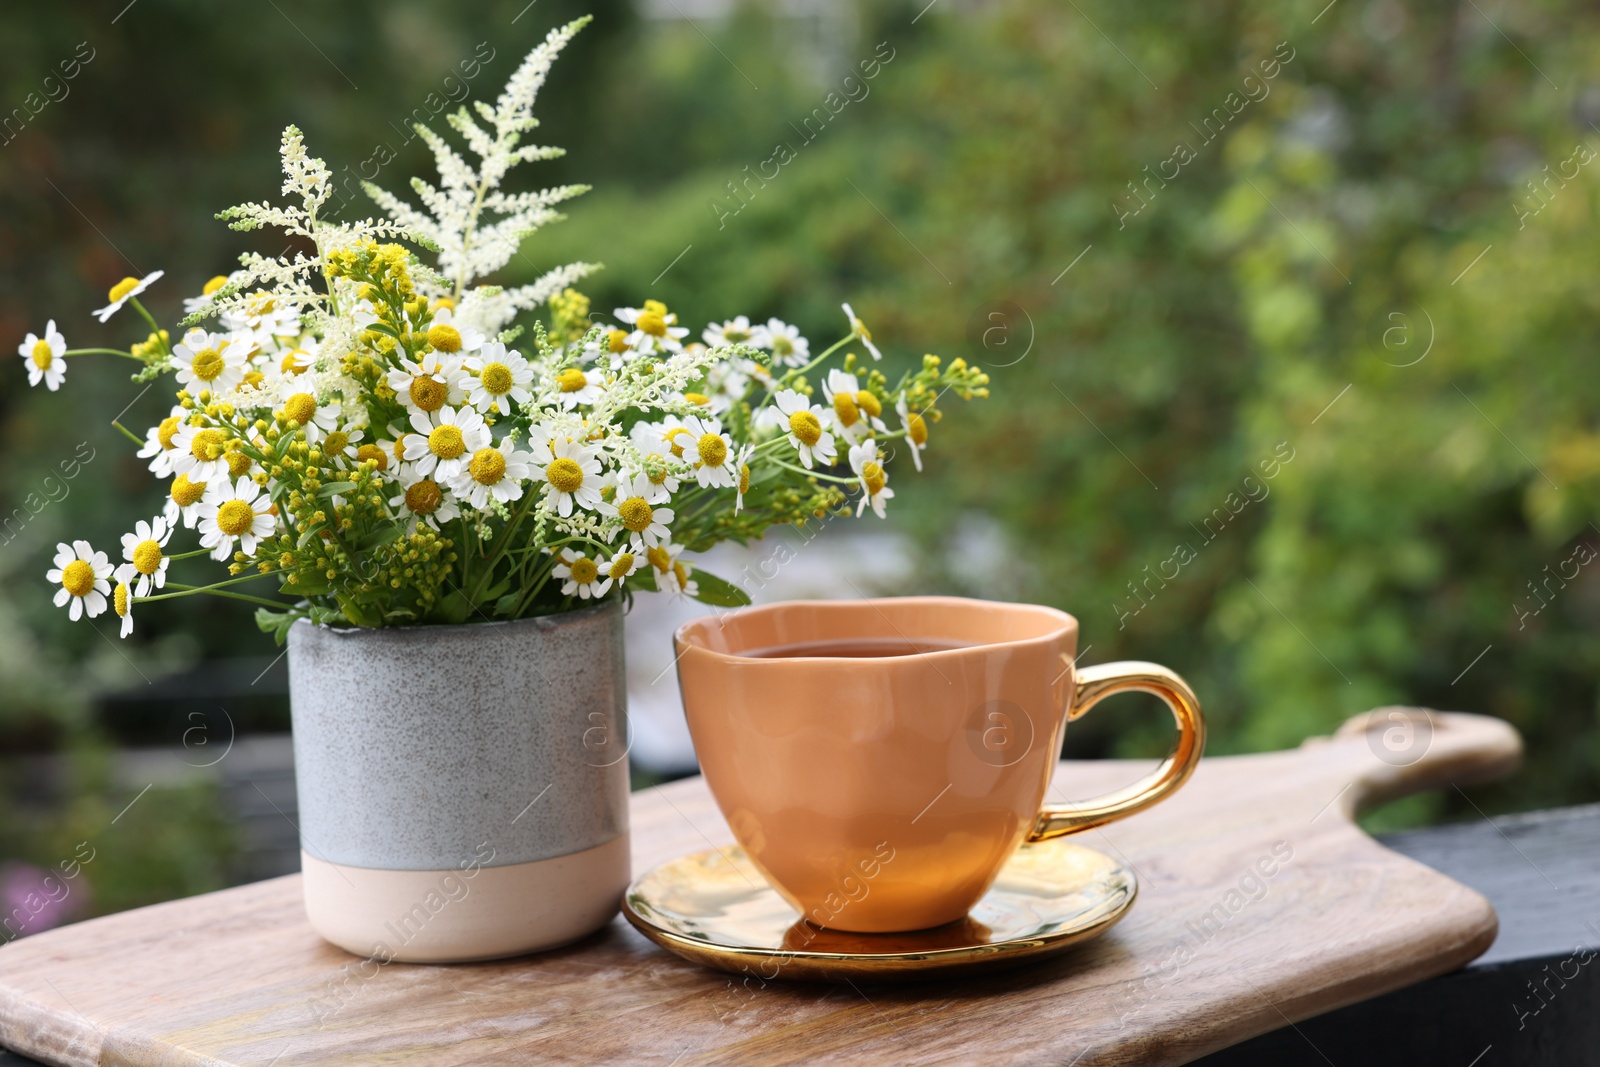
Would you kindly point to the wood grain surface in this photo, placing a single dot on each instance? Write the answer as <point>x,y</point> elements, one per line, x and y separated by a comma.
<point>1261,903</point>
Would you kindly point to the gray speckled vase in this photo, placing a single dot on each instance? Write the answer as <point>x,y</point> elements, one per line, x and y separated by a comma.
<point>463,789</point>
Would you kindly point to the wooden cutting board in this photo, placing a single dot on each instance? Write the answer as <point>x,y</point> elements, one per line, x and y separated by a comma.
<point>1213,952</point>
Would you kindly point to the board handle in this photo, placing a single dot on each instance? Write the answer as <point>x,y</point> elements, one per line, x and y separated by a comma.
<point>1096,683</point>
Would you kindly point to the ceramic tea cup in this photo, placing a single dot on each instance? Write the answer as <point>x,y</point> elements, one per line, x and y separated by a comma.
<point>880,760</point>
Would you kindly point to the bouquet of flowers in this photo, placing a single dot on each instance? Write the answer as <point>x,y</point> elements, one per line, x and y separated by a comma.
<point>367,428</point>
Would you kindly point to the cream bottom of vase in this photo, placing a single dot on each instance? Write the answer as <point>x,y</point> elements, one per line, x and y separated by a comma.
<point>454,916</point>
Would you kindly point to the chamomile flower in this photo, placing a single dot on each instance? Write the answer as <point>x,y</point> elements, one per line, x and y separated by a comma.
<point>208,293</point>
<point>146,564</point>
<point>237,511</point>
<point>712,451</point>
<point>859,328</point>
<point>783,340</point>
<point>124,291</point>
<point>211,361</point>
<point>654,328</point>
<point>580,576</point>
<point>742,462</point>
<point>495,472</point>
<point>201,452</point>
<point>84,576</point>
<point>45,357</point>
<point>422,499</point>
<point>450,335</point>
<point>122,600</point>
<point>916,428</point>
<point>430,382</point>
<point>302,409</point>
<point>159,443</point>
<point>855,410</point>
<point>572,470</point>
<point>578,387</point>
<point>299,359</point>
<point>183,502</point>
<point>663,458</point>
<point>645,522</point>
<point>806,425</point>
<point>344,448</point>
<point>445,441</point>
<point>622,563</point>
<point>866,461</point>
<point>499,376</point>
<point>737,331</point>
<point>672,574</point>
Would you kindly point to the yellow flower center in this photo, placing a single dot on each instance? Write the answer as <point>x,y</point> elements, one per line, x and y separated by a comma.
<point>583,570</point>
<point>254,378</point>
<point>873,478</point>
<point>300,407</point>
<point>565,475</point>
<point>444,302</point>
<point>77,578</point>
<point>869,403</point>
<point>213,285</point>
<point>736,336</point>
<point>123,288</point>
<point>207,445</point>
<point>335,443</point>
<point>207,364</point>
<point>425,497</point>
<point>489,466</point>
<point>844,406</point>
<point>444,338</point>
<point>636,513</point>
<point>617,341</point>
<point>659,558</point>
<point>400,448</point>
<point>572,379</point>
<point>917,429</point>
<point>672,440</point>
<point>652,323</point>
<point>372,454</point>
<point>782,346</point>
<point>291,361</point>
<point>167,430</point>
<point>681,572</point>
<point>496,378</point>
<point>744,479</point>
<point>119,599</point>
<point>146,557</point>
<point>235,518</point>
<point>239,464</point>
<point>428,394</point>
<point>713,449</point>
<point>42,355</point>
<point>446,442</point>
<point>621,566</point>
<point>806,427</point>
<point>261,304</point>
<point>861,330</point>
<point>697,398</point>
<point>185,492</point>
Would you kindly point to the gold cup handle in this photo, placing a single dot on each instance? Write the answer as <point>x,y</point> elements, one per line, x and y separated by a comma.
<point>1096,683</point>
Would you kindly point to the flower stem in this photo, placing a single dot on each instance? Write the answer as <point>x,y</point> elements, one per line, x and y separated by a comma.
<point>101,352</point>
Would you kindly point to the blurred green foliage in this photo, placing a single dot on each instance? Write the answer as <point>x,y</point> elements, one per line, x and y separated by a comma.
<point>1345,264</point>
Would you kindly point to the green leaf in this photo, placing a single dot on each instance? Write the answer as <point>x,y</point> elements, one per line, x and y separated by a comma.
<point>643,579</point>
<point>358,613</point>
<point>276,623</point>
<point>380,537</point>
<point>455,608</point>
<point>333,489</point>
<point>508,603</point>
<point>717,591</point>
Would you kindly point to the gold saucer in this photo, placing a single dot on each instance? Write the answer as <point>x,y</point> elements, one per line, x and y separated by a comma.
<point>714,908</point>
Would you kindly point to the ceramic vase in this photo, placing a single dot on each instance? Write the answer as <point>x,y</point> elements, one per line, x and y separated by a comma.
<point>463,790</point>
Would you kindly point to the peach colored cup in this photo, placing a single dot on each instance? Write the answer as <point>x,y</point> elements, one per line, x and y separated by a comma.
<point>885,793</point>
